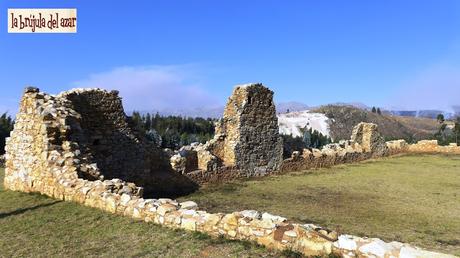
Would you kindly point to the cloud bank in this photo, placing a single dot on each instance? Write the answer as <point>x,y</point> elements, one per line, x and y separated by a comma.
<point>149,88</point>
<point>435,88</point>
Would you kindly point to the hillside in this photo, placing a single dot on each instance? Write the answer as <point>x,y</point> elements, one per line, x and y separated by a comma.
<point>343,118</point>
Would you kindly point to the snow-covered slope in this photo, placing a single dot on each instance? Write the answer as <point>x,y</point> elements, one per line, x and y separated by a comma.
<point>290,123</point>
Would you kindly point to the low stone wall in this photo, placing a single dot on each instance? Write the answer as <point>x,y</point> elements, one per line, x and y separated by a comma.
<point>330,155</point>
<point>350,152</point>
<point>366,143</point>
<point>431,146</point>
<point>272,231</point>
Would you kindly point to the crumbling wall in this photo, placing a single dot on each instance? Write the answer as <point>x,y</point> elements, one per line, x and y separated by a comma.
<point>366,142</point>
<point>83,134</point>
<point>431,146</point>
<point>52,146</point>
<point>367,135</point>
<point>246,143</point>
<point>397,146</point>
<point>247,136</point>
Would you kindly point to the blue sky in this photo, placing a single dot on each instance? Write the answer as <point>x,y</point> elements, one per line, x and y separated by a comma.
<point>389,53</point>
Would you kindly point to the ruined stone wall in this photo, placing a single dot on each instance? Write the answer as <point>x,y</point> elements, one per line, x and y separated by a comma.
<point>40,158</point>
<point>431,146</point>
<point>246,143</point>
<point>367,135</point>
<point>366,142</point>
<point>82,134</point>
<point>56,138</point>
<point>247,136</point>
<point>106,139</point>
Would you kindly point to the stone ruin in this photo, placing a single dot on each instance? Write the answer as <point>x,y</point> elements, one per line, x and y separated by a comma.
<point>367,135</point>
<point>246,142</point>
<point>84,134</point>
<point>247,136</point>
<point>365,143</point>
<point>78,146</point>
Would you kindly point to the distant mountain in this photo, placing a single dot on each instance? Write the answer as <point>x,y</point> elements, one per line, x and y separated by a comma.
<point>217,112</point>
<point>456,110</point>
<point>292,106</point>
<point>427,113</point>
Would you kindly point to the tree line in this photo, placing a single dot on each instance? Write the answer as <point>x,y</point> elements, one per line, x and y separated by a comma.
<point>173,131</point>
<point>310,139</point>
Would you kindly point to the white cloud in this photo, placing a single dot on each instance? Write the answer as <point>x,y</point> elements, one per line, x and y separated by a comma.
<point>154,87</point>
<point>435,88</point>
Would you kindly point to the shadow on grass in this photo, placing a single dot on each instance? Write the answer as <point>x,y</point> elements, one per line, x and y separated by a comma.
<point>20,211</point>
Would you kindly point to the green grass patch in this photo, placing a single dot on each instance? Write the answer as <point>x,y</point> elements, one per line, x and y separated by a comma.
<point>414,199</point>
<point>33,225</point>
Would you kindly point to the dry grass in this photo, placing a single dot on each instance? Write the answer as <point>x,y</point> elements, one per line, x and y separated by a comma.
<point>413,199</point>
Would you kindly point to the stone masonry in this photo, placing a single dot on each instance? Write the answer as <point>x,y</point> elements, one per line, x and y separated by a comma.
<point>364,141</point>
<point>367,135</point>
<point>247,136</point>
<point>82,134</point>
<point>71,147</point>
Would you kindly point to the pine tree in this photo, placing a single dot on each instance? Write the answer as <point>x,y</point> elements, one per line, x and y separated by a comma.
<point>6,126</point>
<point>148,122</point>
<point>374,110</point>
<point>440,118</point>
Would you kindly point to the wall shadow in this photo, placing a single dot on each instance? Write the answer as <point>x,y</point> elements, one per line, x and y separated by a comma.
<point>20,211</point>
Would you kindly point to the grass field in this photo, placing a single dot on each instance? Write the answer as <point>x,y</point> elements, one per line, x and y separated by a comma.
<point>32,225</point>
<point>410,199</point>
<point>413,199</point>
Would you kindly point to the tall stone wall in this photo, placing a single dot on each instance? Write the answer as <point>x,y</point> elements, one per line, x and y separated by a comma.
<point>247,136</point>
<point>83,134</point>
